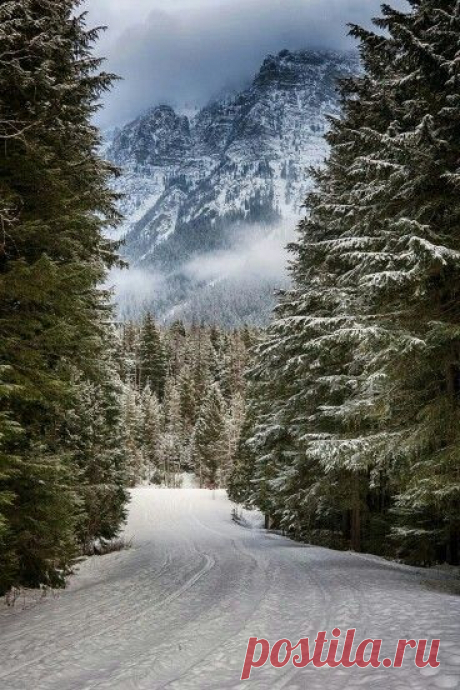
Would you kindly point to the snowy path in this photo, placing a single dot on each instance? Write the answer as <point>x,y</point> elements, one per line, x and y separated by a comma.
<point>177,609</point>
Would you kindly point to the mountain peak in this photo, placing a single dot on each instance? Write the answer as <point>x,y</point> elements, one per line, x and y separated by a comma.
<point>157,137</point>
<point>289,68</point>
<point>241,164</point>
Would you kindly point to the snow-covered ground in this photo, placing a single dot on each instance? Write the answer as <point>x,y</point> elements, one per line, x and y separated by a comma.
<point>176,610</point>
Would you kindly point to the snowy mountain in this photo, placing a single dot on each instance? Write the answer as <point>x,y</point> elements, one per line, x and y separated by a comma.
<point>203,193</point>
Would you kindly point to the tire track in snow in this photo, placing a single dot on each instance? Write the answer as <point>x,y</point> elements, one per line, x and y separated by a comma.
<point>125,591</point>
<point>65,602</point>
<point>234,633</point>
<point>195,637</point>
<point>259,566</point>
<point>135,683</point>
<point>209,564</point>
<point>335,607</point>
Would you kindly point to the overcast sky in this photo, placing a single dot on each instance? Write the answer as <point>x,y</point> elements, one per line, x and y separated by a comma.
<point>183,52</point>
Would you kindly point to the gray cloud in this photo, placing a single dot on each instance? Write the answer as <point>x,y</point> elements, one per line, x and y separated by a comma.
<point>192,49</point>
<point>259,255</point>
<point>259,252</point>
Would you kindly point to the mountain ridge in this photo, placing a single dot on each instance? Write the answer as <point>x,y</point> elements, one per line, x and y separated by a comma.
<point>195,185</point>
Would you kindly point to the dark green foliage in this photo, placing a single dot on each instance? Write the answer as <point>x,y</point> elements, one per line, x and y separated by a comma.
<point>210,443</point>
<point>96,435</point>
<point>355,392</point>
<point>54,204</point>
<point>239,484</point>
<point>152,365</point>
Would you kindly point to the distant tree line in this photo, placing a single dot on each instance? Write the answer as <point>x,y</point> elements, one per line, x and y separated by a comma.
<point>183,399</point>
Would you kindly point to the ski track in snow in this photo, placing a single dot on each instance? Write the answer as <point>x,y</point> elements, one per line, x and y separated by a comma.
<point>176,610</point>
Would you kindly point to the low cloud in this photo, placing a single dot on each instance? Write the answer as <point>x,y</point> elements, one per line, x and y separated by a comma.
<point>135,290</point>
<point>258,257</point>
<point>194,49</point>
<point>255,254</point>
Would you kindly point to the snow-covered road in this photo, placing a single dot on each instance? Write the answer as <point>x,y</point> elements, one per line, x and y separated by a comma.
<point>177,609</point>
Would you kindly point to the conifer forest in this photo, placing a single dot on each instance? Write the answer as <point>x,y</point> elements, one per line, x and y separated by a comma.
<point>353,435</point>
<point>183,444</point>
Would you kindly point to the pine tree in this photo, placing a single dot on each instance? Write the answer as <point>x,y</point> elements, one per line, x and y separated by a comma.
<point>234,360</point>
<point>96,434</point>
<point>151,434</point>
<point>9,465</point>
<point>240,486</point>
<point>161,437</point>
<point>129,346</point>
<point>54,203</point>
<point>152,364</point>
<point>414,291</point>
<point>176,337</point>
<point>188,402</point>
<point>355,389</point>
<point>132,425</point>
<point>204,361</point>
<point>172,409</point>
<point>171,456</point>
<point>236,418</point>
<point>210,443</point>
<point>403,259</point>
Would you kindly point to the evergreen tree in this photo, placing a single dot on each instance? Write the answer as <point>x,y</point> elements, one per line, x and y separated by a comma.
<point>176,337</point>
<point>210,443</point>
<point>129,344</point>
<point>232,369</point>
<point>171,456</point>
<point>8,466</point>
<point>355,390</point>
<point>132,425</point>
<point>96,434</point>
<point>173,439</point>
<point>204,361</point>
<point>236,418</point>
<point>152,364</point>
<point>160,435</point>
<point>54,203</point>
<point>151,434</point>
<point>188,403</point>
<point>414,288</point>
<point>172,409</point>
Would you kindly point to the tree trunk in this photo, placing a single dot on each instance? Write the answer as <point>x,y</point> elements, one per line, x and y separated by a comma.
<point>355,537</point>
<point>454,551</point>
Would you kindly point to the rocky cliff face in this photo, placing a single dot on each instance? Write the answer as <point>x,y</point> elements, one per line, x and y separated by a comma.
<point>201,185</point>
